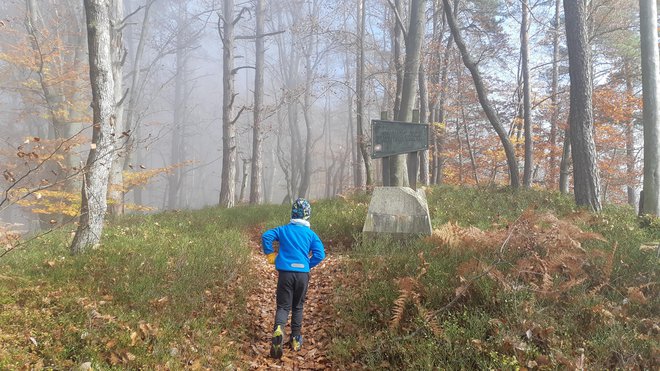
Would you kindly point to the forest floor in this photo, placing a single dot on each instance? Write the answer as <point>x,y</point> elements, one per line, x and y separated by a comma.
<point>509,280</point>
<point>318,315</point>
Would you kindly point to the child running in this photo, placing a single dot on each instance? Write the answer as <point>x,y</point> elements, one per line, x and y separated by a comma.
<point>293,262</point>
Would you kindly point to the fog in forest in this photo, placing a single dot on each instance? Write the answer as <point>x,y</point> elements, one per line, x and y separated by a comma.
<point>170,111</point>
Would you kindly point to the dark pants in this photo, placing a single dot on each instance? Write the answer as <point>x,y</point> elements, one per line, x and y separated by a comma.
<point>291,292</point>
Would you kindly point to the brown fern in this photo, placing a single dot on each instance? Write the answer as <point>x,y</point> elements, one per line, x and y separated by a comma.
<point>399,308</point>
<point>423,266</point>
<point>407,291</point>
<point>430,320</point>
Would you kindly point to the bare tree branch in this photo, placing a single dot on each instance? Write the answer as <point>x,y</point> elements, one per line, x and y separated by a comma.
<point>240,15</point>
<point>233,72</point>
<point>399,22</point>
<point>238,115</point>
<point>254,37</point>
<point>123,21</point>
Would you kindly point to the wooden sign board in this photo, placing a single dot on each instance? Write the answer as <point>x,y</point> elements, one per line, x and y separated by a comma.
<point>395,137</point>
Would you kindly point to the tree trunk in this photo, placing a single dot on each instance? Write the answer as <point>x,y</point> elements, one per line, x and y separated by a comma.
<point>483,97</point>
<point>554,99</point>
<point>586,181</point>
<point>650,68</point>
<point>359,85</point>
<point>414,37</point>
<point>244,179</point>
<point>257,163</point>
<point>473,162</point>
<point>630,142</point>
<point>295,149</point>
<point>101,154</point>
<point>394,164</point>
<point>527,106</point>
<point>351,143</point>
<point>460,153</point>
<point>179,119</point>
<point>134,155</point>
<point>564,171</point>
<point>328,153</point>
<point>116,186</point>
<point>306,176</point>
<point>59,100</point>
<point>398,67</point>
<point>440,116</point>
<point>267,180</point>
<point>424,175</point>
<point>228,180</point>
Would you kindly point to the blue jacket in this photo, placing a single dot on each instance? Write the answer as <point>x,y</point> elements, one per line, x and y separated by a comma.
<point>296,240</point>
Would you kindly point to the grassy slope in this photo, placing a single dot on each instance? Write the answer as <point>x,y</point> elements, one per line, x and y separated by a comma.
<point>488,328</point>
<point>149,296</point>
<point>164,290</point>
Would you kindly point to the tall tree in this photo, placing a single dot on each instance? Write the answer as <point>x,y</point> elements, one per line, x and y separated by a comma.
<point>180,112</point>
<point>527,105</point>
<point>116,186</point>
<point>439,111</point>
<point>554,97</point>
<point>586,180</point>
<point>226,25</point>
<point>412,60</point>
<point>131,116</point>
<point>57,60</point>
<point>256,170</point>
<point>395,163</point>
<point>648,13</point>
<point>483,96</point>
<point>630,140</point>
<point>101,154</point>
<point>424,175</point>
<point>360,95</point>
<point>564,165</point>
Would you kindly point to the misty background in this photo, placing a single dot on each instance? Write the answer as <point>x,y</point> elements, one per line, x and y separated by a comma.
<point>173,92</point>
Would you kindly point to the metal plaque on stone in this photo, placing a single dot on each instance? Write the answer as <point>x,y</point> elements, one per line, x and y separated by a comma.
<point>390,138</point>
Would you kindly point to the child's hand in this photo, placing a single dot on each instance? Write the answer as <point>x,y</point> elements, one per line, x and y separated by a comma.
<point>271,257</point>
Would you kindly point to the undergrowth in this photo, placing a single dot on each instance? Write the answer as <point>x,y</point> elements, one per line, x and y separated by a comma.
<point>162,290</point>
<point>508,281</point>
<point>165,290</point>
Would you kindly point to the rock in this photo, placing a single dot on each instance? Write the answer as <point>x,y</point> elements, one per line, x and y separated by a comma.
<point>398,211</point>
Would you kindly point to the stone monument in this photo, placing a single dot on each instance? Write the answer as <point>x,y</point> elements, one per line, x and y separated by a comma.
<point>398,211</point>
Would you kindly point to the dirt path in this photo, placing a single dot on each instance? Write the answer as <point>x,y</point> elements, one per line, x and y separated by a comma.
<point>318,317</point>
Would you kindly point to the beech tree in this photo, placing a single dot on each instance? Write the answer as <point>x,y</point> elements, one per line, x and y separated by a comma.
<point>256,170</point>
<point>413,40</point>
<point>648,12</point>
<point>527,105</point>
<point>438,102</point>
<point>360,97</point>
<point>53,90</point>
<point>116,186</point>
<point>101,153</point>
<point>134,91</point>
<point>180,113</point>
<point>226,26</point>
